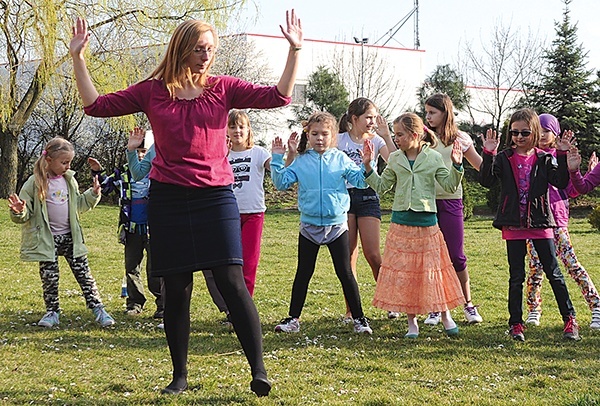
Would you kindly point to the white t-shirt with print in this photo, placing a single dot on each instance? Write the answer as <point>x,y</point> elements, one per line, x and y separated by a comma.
<point>248,173</point>
<point>57,203</point>
<point>353,150</point>
<point>465,142</point>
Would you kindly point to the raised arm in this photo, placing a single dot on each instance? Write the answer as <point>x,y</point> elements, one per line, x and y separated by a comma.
<point>79,42</point>
<point>293,33</point>
<point>383,131</point>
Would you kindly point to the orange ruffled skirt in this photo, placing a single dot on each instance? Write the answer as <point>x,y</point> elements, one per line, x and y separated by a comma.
<point>416,275</point>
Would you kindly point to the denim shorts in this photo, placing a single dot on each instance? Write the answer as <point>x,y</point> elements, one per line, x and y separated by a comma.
<point>364,203</point>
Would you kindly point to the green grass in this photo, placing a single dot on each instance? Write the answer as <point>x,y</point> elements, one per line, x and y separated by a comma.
<point>81,363</point>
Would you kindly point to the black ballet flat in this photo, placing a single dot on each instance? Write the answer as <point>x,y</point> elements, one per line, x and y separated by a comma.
<point>260,386</point>
<point>173,391</point>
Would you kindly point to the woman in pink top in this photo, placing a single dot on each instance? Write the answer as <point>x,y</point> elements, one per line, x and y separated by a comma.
<point>193,213</point>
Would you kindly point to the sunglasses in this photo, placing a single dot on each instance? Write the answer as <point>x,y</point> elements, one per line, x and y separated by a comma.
<point>524,133</point>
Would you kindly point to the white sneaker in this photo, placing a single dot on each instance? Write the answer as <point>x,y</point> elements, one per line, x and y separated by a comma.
<point>393,315</point>
<point>102,316</point>
<point>49,320</point>
<point>361,325</point>
<point>161,325</point>
<point>433,319</point>
<point>288,325</point>
<point>472,315</point>
<point>595,324</point>
<point>534,318</point>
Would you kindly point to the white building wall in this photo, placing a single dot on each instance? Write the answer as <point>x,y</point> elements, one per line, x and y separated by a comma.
<point>392,75</point>
<point>392,78</point>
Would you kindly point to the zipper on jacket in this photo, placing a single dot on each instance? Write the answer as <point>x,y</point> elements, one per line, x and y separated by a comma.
<point>321,186</point>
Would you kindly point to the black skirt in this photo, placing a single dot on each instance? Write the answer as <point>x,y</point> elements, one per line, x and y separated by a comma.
<point>192,229</point>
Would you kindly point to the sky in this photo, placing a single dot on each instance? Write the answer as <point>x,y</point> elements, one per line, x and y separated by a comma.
<point>445,26</point>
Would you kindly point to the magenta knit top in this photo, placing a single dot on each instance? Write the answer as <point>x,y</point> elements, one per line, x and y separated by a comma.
<point>189,135</point>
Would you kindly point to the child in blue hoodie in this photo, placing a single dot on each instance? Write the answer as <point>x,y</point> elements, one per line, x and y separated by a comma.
<point>320,170</point>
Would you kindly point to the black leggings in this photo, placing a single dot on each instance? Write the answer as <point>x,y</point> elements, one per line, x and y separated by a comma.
<point>244,316</point>
<point>307,258</point>
<point>516,250</point>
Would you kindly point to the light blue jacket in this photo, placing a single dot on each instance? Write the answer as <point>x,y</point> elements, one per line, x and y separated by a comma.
<point>140,169</point>
<point>415,186</point>
<point>37,242</point>
<point>322,196</point>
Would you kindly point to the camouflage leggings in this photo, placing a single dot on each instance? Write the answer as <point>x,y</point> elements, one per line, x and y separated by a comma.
<point>565,252</point>
<point>63,246</point>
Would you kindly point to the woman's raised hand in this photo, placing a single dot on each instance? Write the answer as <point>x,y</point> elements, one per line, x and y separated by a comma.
<point>80,39</point>
<point>293,30</point>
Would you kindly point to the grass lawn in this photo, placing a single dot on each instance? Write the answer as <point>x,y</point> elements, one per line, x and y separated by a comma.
<point>326,363</point>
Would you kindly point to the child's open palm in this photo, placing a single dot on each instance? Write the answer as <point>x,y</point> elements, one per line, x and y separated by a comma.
<point>96,185</point>
<point>94,164</point>
<point>277,146</point>
<point>136,137</point>
<point>367,155</point>
<point>592,162</point>
<point>15,203</point>
<point>573,159</point>
<point>292,143</point>
<point>565,142</point>
<point>457,154</point>
<point>490,141</point>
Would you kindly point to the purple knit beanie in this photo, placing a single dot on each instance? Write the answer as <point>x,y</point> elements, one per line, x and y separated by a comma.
<point>549,122</point>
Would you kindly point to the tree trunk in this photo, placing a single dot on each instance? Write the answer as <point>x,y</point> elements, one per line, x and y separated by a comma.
<point>8,163</point>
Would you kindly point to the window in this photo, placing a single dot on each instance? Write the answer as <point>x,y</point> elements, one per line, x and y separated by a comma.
<point>299,94</point>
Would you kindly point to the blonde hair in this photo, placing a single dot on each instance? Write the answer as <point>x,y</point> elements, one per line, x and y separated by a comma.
<point>321,118</point>
<point>53,149</point>
<point>239,117</point>
<point>414,125</point>
<point>172,69</point>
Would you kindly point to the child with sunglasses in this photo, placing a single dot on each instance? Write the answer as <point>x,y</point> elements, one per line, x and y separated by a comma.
<point>524,212</point>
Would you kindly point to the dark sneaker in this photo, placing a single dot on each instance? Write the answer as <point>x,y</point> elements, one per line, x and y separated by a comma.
<point>516,332</point>
<point>571,330</point>
<point>158,314</point>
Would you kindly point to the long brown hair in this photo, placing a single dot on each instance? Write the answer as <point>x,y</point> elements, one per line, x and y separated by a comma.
<point>414,124</point>
<point>448,131</point>
<point>172,69</point>
<point>317,117</point>
<point>356,108</point>
<point>55,147</point>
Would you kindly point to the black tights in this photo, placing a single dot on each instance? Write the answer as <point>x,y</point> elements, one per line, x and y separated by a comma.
<point>307,258</point>
<point>244,316</point>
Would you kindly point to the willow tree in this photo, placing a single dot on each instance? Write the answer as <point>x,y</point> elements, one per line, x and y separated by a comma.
<point>35,37</point>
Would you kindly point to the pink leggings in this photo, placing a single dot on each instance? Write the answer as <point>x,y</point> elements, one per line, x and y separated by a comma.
<point>252,228</point>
